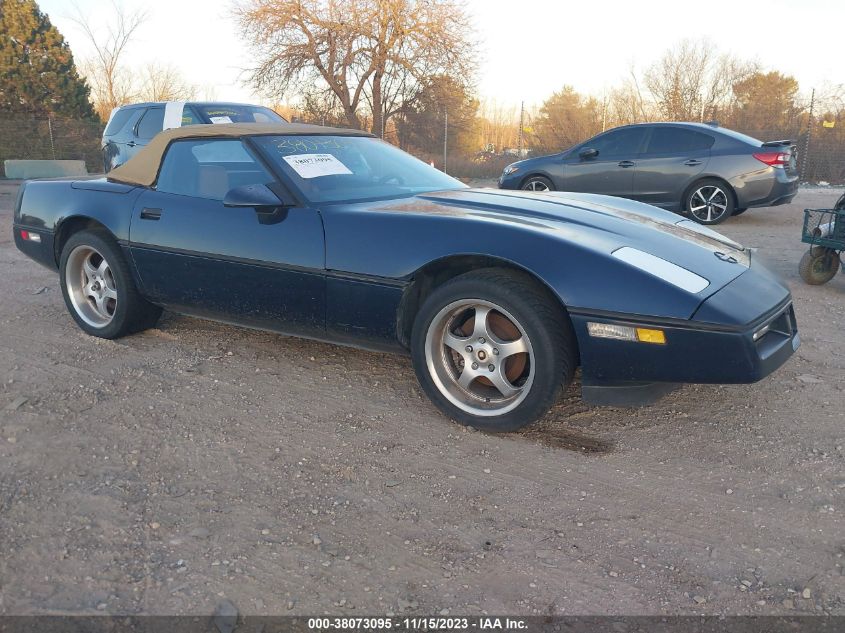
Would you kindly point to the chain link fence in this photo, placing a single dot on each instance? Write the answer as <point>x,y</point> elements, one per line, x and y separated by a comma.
<point>821,160</point>
<point>51,139</point>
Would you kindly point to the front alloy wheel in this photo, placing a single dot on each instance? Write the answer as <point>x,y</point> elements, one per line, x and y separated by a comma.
<point>493,349</point>
<point>537,183</point>
<point>479,357</point>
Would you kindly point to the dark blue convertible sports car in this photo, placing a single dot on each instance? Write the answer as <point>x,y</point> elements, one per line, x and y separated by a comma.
<point>335,235</point>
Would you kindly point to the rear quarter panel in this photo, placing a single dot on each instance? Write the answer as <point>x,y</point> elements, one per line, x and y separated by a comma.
<point>46,205</point>
<point>751,180</point>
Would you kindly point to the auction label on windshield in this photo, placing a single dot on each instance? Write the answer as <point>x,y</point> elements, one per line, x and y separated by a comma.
<point>316,165</point>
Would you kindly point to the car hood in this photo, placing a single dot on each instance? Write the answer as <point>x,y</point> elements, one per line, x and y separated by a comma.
<point>535,161</point>
<point>601,223</point>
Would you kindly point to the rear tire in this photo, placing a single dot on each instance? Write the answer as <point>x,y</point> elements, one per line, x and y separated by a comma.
<point>709,201</point>
<point>538,183</point>
<point>818,266</point>
<point>500,373</point>
<point>98,288</point>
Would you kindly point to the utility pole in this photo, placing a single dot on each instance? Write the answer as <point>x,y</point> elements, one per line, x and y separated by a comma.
<point>445,137</point>
<point>521,125</point>
<point>604,112</point>
<point>52,142</point>
<point>806,156</point>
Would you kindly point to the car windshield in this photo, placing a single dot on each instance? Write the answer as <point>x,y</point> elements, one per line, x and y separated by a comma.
<point>351,168</point>
<point>238,114</point>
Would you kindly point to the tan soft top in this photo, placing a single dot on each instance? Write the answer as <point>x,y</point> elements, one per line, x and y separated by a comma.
<point>142,168</point>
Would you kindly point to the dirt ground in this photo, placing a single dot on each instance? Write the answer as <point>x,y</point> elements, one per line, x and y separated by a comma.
<point>197,462</point>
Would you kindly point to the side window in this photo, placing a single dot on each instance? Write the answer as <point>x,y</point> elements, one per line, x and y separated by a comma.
<point>189,117</point>
<point>669,140</point>
<point>209,169</point>
<point>118,121</point>
<point>151,123</point>
<point>619,143</point>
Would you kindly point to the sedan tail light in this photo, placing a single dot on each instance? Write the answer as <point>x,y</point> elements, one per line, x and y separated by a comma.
<point>773,159</point>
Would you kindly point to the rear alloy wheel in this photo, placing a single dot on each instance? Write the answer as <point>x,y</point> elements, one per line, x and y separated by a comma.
<point>91,286</point>
<point>709,202</point>
<point>538,183</point>
<point>492,350</point>
<point>98,288</point>
<point>818,265</point>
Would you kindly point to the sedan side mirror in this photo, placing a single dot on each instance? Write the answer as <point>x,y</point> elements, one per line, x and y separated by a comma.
<point>587,153</point>
<point>255,196</point>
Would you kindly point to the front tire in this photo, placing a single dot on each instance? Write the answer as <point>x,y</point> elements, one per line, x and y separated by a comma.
<point>818,266</point>
<point>492,349</point>
<point>98,288</point>
<point>538,183</point>
<point>709,201</point>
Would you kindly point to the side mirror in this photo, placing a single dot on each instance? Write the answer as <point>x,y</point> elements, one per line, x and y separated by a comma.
<point>587,153</point>
<point>255,196</point>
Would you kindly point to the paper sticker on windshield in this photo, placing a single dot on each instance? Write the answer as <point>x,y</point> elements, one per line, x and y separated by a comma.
<point>316,165</point>
<point>220,119</point>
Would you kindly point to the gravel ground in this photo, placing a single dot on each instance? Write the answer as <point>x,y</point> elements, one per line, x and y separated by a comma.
<point>196,463</point>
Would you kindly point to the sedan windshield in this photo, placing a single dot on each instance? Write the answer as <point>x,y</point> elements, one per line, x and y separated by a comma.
<point>215,113</point>
<point>351,168</point>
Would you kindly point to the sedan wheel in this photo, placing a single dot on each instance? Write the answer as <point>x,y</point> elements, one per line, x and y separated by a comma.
<point>493,349</point>
<point>710,203</point>
<point>91,286</point>
<point>537,183</point>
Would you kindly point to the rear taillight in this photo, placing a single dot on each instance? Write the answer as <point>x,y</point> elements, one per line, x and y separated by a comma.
<point>773,159</point>
<point>29,236</point>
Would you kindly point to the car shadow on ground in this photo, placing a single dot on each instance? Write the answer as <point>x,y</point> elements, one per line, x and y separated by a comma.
<point>553,431</point>
<point>568,439</point>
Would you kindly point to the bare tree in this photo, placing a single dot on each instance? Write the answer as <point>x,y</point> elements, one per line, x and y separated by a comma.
<point>111,84</point>
<point>163,82</point>
<point>693,82</point>
<point>373,52</point>
<point>321,106</point>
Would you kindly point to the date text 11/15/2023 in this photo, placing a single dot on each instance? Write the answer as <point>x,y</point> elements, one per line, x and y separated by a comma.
<point>421,623</point>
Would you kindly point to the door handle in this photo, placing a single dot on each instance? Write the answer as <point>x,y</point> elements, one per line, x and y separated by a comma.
<point>692,162</point>
<point>150,214</point>
<point>627,163</point>
<point>131,144</point>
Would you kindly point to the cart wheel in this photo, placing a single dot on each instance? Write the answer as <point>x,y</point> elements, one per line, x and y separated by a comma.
<point>818,266</point>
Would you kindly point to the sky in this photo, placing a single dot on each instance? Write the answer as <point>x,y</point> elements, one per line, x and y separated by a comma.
<point>527,49</point>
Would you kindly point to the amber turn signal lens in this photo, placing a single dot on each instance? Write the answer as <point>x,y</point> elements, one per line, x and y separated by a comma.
<point>645,335</point>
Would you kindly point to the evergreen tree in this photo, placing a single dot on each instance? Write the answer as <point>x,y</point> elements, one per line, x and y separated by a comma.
<point>37,72</point>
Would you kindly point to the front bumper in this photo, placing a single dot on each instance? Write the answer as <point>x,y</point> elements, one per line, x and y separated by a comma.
<point>510,182</point>
<point>693,352</point>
